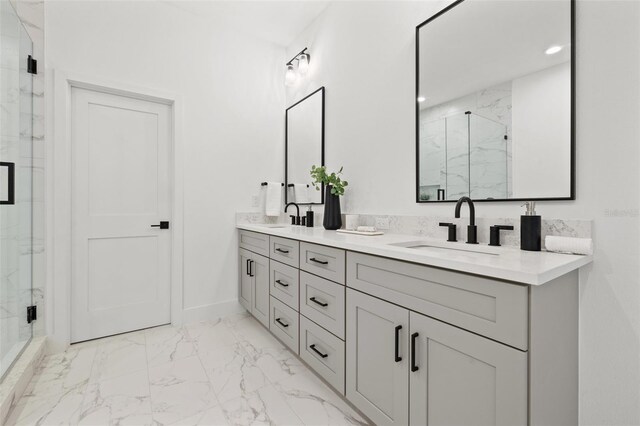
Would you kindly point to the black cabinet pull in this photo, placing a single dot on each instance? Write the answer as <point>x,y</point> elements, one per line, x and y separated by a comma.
<point>162,225</point>
<point>322,262</point>
<point>281,323</point>
<point>316,301</point>
<point>282,251</point>
<point>250,267</point>
<point>282,284</point>
<point>313,348</point>
<point>414,367</point>
<point>398,358</point>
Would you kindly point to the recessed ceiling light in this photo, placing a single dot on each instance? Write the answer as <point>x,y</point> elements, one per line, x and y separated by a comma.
<point>421,99</point>
<point>553,50</point>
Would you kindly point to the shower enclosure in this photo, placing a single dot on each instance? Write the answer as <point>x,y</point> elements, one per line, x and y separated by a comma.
<point>463,154</point>
<point>16,160</point>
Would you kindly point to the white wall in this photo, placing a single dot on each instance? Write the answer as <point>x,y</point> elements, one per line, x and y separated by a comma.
<point>363,52</point>
<point>541,128</point>
<point>230,86</point>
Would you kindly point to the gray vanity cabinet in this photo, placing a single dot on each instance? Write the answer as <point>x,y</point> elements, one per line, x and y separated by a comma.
<point>460,378</point>
<point>377,358</point>
<point>254,285</point>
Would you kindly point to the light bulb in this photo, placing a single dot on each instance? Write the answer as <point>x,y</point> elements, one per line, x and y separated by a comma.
<point>303,64</point>
<point>553,50</point>
<point>290,76</point>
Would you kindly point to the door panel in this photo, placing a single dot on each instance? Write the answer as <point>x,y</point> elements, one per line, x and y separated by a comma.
<point>463,378</point>
<point>377,383</point>
<point>261,299</point>
<point>246,281</point>
<point>121,186</point>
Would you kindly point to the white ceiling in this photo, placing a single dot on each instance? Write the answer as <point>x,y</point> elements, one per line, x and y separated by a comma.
<point>279,22</point>
<point>481,43</point>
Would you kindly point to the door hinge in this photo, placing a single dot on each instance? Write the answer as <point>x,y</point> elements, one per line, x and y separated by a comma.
<point>32,314</point>
<point>32,65</point>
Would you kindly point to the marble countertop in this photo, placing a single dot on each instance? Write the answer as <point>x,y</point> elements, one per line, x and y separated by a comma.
<point>505,263</point>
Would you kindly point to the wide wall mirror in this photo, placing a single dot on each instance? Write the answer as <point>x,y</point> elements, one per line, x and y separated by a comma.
<point>304,147</point>
<point>495,101</point>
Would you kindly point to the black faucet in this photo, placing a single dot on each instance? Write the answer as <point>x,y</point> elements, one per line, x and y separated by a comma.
<point>295,220</point>
<point>472,229</point>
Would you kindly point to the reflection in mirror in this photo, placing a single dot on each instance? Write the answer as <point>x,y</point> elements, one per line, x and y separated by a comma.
<point>494,105</point>
<point>304,148</point>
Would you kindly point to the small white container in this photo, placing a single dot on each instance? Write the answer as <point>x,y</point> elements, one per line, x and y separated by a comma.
<point>351,222</point>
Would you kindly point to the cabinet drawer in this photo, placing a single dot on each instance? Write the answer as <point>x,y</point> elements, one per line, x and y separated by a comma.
<point>322,301</point>
<point>324,261</point>
<point>285,251</point>
<point>323,351</point>
<point>495,309</point>
<point>255,242</point>
<point>284,324</point>
<point>284,283</point>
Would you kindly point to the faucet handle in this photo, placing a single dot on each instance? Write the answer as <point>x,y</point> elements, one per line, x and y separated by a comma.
<point>494,233</point>
<point>452,231</point>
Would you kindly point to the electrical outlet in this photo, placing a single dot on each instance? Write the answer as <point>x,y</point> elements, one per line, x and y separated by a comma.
<point>382,222</point>
<point>255,201</point>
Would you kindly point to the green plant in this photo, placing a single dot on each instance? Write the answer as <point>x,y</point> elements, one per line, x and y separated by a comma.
<point>320,176</point>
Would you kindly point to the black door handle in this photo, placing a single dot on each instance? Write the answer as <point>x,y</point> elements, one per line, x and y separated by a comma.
<point>398,358</point>
<point>322,262</point>
<point>314,300</point>
<point>414,367</point>
<point>282,251</point>
<point>281,323</point>
<point>164,224</point>
<point>282,284</point>
<point>313,348</point>
<point>250,267</point>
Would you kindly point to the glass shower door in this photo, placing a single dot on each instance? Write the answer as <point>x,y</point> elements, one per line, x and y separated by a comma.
<point>16,115</point>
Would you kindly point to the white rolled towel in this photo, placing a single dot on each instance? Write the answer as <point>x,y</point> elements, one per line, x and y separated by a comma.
<point>568,245</point>
<point>273,203</point>
<point>301,193</point>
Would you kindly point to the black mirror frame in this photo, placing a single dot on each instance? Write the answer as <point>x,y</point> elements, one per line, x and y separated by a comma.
<point>573,113</point>
<point>286,148</point>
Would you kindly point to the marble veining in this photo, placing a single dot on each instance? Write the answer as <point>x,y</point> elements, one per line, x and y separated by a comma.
<point>230,371</point>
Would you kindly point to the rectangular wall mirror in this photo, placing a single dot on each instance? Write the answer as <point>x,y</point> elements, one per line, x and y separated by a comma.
<point>495,101</point>
<point>304,147</point>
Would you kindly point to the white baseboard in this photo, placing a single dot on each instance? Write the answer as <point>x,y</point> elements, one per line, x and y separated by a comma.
<point>211,312</point>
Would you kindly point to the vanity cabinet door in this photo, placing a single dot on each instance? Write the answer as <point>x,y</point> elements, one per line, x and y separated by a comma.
<point>260,303</point>
<point>460,378</point>
<point>245,295</point>
<point>377,358</point>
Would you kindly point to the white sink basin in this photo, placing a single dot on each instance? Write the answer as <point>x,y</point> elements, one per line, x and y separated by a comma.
<point>272,225</point>
<point>454,247</point>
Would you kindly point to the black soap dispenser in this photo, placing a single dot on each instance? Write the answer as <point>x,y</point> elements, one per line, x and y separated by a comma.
<point>310,217</point>
<point>530,228</point>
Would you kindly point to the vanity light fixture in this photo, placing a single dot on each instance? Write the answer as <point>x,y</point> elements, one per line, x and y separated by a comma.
<point>300,68</point>
<point>553,50</point>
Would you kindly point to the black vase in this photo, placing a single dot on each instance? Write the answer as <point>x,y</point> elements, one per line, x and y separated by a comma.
<point>332,216</point>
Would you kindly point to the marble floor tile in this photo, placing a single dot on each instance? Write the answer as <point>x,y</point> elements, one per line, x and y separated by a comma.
<point>277,364</point>
<point>180,389</point>
<point>266,406</point>
<point>124,400</point>
<point>168,343</point>
<point>209,417</point>
<point>60,409</point>
<point>315,403</point>
<point>119,355</point>
<point>210,335</point>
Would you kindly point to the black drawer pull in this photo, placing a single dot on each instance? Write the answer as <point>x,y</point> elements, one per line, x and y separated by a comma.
<point>398,358</point>
<point>313,348</point>
<point>322,262</point>
<point>282,251</point>
<point>414,367</point>
<point>281,323</point>
<point>316,301</point>
<point>282,284</point>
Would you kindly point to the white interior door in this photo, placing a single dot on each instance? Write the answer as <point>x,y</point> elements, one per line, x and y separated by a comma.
<point>121,265</point>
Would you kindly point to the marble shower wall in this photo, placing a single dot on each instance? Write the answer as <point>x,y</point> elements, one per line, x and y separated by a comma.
<point>427,226</point>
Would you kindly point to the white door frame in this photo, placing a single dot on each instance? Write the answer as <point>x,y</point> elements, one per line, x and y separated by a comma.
<point>58,198</point>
